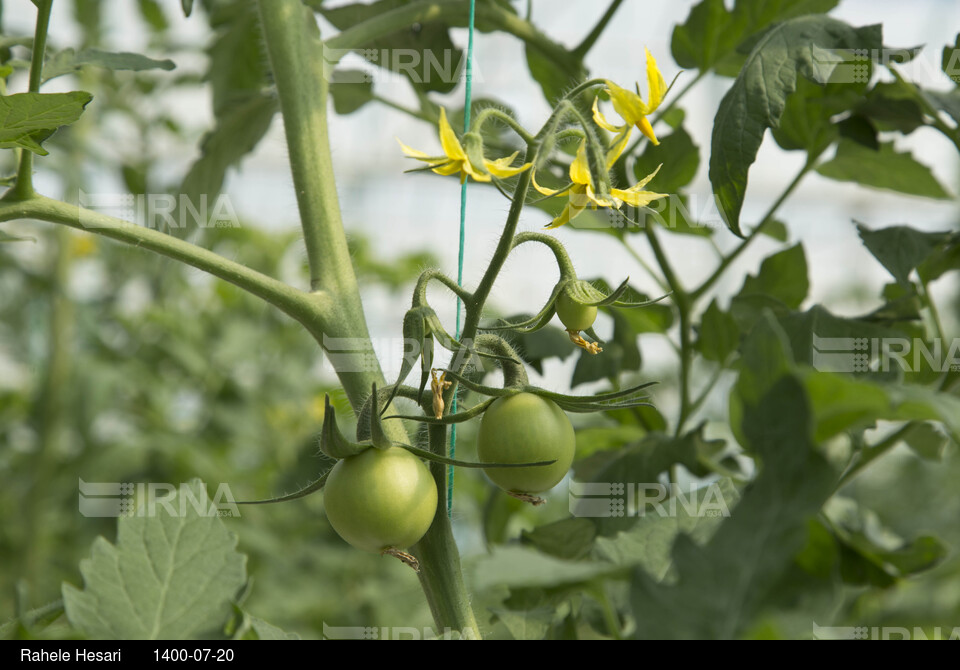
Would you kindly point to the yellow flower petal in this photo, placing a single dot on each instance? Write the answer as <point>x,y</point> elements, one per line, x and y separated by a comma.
<point>637,198</point>
<point>543,189</point>
<point>448,139</point>
<point>447,169</point>
<point>619,144</point>
<point>656,86</point>
<point>569,213</point>
<point>579,170</point>
<point>468,169</point>
<point>626,103</point>
<point>501,168</point>
<point>643,182</point>
<point>420,155</point>
<point>644,125</point>
<point>601,120</point>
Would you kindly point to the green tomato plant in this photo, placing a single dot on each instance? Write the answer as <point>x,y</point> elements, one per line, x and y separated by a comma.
<point>795,438</point>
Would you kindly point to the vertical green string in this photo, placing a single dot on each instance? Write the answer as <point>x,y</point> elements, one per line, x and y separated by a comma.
<point>463,218</point>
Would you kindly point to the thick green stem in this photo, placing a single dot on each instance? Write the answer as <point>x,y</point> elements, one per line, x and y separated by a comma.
<point>294,49</point>
<point>439,557</point>
<point>24,185</point>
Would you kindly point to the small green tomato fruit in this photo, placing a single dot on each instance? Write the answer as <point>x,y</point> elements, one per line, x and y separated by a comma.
<point>525,428</point>
<point>380,499</point>
<point>573,315</point>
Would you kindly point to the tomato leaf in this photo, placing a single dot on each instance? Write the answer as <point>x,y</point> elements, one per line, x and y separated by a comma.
<point>168,577</point>
<point>806,46</point>
<point>27,119</point>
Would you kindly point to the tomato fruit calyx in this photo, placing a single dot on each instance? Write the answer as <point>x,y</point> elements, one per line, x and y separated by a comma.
<point>526,428</point>
<point>381,500</point>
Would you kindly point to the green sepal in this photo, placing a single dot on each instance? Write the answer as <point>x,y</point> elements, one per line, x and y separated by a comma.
<point>623,399</point>
<point>459,417</point>
<point>332,441</point>
<point>430,456</point>
<point>539,320</point>
<point>377,436</point>
<point>312,487</point>
<point>584,293</point>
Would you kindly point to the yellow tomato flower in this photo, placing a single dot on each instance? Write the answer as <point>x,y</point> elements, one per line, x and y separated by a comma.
<point>455,158</point>
<point>631,107</point>
<point>581,193</point>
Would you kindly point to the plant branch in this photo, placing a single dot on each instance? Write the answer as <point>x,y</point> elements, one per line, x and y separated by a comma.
<point>24,185</point>
<point>584,47</point>
<point>303,307</point>
<point>701,290</point>
<point>296,62</point>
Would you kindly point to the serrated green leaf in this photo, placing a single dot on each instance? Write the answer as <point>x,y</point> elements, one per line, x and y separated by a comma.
<point>643,461</point>
<point>841,402</point>
<point>950,60</point>
<point>555,78</point>
<point>782,276</point>
<point>26,119</point>
<point>152,12</point>
<point>722,586</point>
<point>805,45</point>
<point>520,567</point>
<point>238,60</point>
<point>927,442</point>
<point>719,335</point>
<point>648,542</point>
<point>872,554</point>
<point>901,249</point>
<point>350,90</point>
<point>711,33</point>
<point>569,539</point>
<point>168,577</point>
<point>944,260</point>
<point>807,120</point>
<point>886,169</point>
<point>892,106</point>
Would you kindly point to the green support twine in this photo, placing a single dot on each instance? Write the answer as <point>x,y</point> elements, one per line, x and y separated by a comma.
<point>463,219</point>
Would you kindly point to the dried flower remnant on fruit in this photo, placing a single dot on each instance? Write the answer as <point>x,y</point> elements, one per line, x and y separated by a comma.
<point>589,347</point>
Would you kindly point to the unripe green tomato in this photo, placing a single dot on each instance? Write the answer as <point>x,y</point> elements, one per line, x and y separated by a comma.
<point>573,315</point>
<point>380,499</point>
<point>526,428</point>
